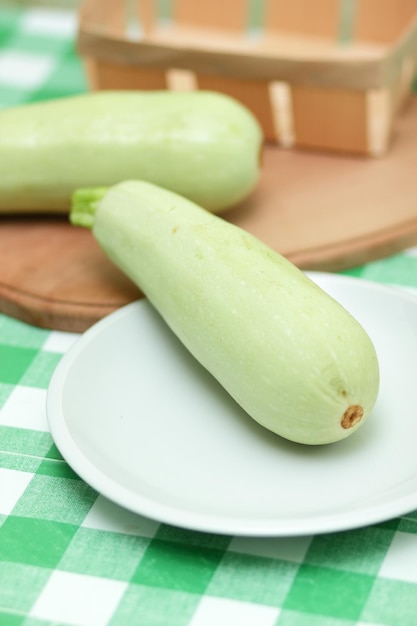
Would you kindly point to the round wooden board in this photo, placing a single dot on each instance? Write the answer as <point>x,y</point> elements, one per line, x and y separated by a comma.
<point>320,211</point>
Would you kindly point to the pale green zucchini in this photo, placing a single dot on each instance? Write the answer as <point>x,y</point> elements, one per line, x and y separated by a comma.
<point>203,145</point>
<point>289,354</point>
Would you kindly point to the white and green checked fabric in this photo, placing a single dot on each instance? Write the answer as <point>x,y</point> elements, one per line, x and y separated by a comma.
<point>37,56</point>
<point>68,557</point>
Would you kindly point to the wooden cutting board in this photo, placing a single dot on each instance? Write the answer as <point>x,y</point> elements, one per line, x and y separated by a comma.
<point>321,211</point>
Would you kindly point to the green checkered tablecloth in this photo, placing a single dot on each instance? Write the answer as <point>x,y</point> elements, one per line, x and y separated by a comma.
<point>69,557</point>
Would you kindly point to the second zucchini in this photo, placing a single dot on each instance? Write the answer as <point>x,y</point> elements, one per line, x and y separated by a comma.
<point>203,145</point>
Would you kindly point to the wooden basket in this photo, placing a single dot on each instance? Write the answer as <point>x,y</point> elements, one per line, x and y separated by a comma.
<point>320,74</point>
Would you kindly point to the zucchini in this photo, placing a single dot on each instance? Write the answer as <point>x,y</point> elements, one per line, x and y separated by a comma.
<point>287,352</point>
<point>203,145</point>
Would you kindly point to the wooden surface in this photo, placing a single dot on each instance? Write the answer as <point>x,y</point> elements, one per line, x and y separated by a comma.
<point>322,212</point>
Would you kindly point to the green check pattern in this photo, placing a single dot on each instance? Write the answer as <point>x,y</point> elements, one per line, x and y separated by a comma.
<point>69,557</point>
<point>38,60</point>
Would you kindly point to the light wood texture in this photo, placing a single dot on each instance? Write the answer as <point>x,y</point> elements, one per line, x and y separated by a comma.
<point>331,213</point>
<point>321,212</point>
<point>383,20</point>
<point>107,16</point>
<point>319,18</point>
<point>340,118</point>
<point>55,276</point>
<point>229,14</point>
<point>147,15</point>
<point>108,75</point>
<point>254,94</point>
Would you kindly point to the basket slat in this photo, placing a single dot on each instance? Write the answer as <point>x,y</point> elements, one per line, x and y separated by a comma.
<point>147,14</point>
<point>402,90</point>
<point>253,94</point>
<point>105,75</point>
<point>318,18</point>
<point>383,21</point>
<point>380,108</point>
<point>106,15</point>
<point>330,119</point>
<point>217,14</point>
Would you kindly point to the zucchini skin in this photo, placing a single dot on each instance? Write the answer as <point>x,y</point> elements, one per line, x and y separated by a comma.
<point>290,355</point>
<point>203,145</point>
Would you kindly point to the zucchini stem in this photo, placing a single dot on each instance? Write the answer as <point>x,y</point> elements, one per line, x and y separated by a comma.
<point>84,203</point>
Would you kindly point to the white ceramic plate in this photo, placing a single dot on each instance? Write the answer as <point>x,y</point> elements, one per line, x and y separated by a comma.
<point>139,420</point>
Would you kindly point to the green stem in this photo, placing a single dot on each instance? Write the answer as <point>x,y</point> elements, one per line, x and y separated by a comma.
<point>84,204</point>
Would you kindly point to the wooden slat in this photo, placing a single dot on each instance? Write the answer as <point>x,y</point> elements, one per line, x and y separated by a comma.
<point>383,20</point>
<point>181,80</point>
<point>402,88</point>
<point>330,119</point>
<point>218,14</point>
<point>311,17</point>
<point>112,14</point>
<point>380,105</point>
<point>282,111</point>
<point>253,94</point>
<point>147,14</point>
<point>89,11</point>
<point>92,75</point>
<point>248,65</point>
<point>105,75</point>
